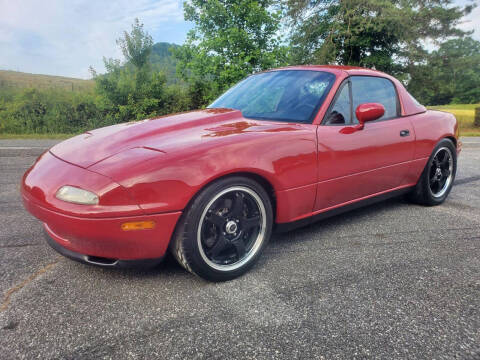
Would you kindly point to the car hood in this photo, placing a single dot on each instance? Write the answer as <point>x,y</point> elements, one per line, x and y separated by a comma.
<point>163,134</point>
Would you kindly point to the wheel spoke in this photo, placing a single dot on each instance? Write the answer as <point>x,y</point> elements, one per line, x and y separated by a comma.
<point>239,247</point>
<point>209,241</point>
<point>442,181</point>
<point>216,219</point>
<point>250,222</point>
<point>433,175</point>
<point>445,160</point>
<point>219,246</point>
<point>237,206</point>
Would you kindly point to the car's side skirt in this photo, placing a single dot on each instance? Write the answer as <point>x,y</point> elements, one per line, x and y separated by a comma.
<point>324,214</point>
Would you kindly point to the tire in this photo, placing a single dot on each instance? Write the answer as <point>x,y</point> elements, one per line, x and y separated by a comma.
<point>437,177</point>
<point>224,230</point>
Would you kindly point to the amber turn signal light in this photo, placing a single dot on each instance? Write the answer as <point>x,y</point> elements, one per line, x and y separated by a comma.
<point>138,225</point>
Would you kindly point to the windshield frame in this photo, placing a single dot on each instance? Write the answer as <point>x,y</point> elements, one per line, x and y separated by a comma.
<point>315,111</point>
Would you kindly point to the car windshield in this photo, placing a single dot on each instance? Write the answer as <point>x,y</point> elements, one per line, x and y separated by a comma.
<point>285,95</point>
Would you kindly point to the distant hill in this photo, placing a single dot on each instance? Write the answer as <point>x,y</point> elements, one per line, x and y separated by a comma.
<point>161,59</point>
<point>18,80</point>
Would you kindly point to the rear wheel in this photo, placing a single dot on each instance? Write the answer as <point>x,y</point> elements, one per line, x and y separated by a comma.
<point>437,178</point>
<point>223,232</point>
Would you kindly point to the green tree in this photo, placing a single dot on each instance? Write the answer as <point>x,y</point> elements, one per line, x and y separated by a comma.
<point>386,34</point>
<point>136,46</point>
<point>231,39</point>
<point>450,74</point>
<point>131,89</point>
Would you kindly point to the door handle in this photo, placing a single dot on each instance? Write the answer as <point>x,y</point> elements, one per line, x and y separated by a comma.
<point>404,133</point>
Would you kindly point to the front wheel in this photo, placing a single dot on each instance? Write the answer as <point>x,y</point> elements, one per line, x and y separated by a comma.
<point>224,230</point>
<point>437,178</point>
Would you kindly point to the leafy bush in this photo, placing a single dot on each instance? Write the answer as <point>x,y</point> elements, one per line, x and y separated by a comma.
<point>128,91</point>
<point>47,111</point>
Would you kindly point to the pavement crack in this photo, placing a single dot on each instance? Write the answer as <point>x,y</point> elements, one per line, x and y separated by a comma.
<point>457,209</point>
<point>8,295</point>
<point>19,245</point>
<point>280,250</point>
<point>466,180</point>
<point>402,232</point>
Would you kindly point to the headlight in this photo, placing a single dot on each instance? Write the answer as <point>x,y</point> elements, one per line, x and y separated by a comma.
<point>76,195</point>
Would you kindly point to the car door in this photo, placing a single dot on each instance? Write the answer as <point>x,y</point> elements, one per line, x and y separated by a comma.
<point>356,164</point>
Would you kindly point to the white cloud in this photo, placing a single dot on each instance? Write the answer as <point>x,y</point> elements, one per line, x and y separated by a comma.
<point>65,37</point>
<point>472,22</point>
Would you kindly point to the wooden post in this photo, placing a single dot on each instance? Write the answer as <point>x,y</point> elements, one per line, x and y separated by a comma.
<point>476,122</point>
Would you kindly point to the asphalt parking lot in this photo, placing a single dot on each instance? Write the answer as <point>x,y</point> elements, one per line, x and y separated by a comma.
<point>392,280</point>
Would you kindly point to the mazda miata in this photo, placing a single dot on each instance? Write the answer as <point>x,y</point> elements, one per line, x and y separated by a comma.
<point>280,149</point>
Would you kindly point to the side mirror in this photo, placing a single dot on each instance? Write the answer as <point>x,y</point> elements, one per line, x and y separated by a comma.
<point>365,112</point>
<point>369,112</point>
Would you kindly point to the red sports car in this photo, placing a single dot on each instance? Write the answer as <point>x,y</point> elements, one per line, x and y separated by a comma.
<point>282,148</point>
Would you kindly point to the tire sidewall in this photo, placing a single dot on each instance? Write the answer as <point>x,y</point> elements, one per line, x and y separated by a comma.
<point>192,222</point>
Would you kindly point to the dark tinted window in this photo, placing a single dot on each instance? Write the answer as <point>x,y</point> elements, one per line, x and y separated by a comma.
<point>368,89</point>
<point>287,95</point>
<point>340,112</point>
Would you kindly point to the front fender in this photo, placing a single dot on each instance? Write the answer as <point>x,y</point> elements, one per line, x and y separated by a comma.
<point>162,182</point>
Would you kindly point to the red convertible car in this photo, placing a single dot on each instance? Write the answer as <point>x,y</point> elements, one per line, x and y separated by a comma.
<point>282,148</point>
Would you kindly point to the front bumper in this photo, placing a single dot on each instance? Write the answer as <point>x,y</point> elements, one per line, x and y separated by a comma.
<point>100,261</point>
<point>92,231</point>
<point>104,237</point>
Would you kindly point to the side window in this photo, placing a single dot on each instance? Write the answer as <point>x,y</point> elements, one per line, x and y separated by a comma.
<point>340,112</point>
<point>367,89</point>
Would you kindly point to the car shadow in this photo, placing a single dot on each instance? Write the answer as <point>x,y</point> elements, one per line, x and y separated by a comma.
<point>170,268</point>
<point>356,215</point>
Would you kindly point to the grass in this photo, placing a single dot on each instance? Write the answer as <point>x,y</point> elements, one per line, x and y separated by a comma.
<point>465,115</point>
<point>35,136</point>
<point>19,80</point>
<point>463,112</point>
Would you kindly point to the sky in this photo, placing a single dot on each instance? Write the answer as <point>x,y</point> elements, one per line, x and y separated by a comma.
<point>66,37</point>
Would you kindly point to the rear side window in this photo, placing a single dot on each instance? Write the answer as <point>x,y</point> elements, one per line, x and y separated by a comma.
<point>369,89</point>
